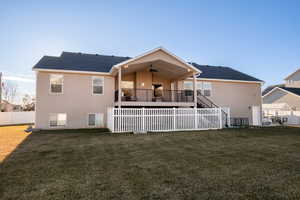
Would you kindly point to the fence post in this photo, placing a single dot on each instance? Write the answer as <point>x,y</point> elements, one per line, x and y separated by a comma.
<point>195,118</point>
<point>143,119</point>
<point>220,118</point>
<point>228,117</point>
<point>174,119</point>
<point>113,119</point>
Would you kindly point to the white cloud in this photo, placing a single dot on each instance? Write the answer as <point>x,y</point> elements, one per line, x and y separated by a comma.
<point>18,78</point>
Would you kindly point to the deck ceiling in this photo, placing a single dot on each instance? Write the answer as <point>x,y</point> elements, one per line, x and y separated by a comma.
<point>164,69</point>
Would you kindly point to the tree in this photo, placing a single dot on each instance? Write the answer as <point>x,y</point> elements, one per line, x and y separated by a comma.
<point>9,91</point>
<point>28,103</point>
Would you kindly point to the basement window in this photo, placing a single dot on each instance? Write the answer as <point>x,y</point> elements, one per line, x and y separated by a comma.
<point>58,120</point>
<point>95,119</point>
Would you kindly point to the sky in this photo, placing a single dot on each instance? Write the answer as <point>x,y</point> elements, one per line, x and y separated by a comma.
<point>260,38</point>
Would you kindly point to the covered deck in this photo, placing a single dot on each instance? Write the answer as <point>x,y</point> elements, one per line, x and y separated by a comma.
<point>154,79</point>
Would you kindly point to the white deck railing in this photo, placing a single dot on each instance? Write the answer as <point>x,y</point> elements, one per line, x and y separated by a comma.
<point>163,119</point>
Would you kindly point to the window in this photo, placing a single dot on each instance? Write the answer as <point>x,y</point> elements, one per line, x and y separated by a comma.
<point>56,83</point>
<point>98,85</point>
<point>127,88</point>
<point>95,119</point>
<point>188,87</point>
<point>58,120</point>
<point>205,88</point>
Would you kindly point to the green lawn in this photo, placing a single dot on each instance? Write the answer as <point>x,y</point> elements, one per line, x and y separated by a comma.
<point>228,164</point>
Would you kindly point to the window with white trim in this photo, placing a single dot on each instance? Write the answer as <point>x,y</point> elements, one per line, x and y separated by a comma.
<point>58,120</point>
<point>56,83</point>
<point>98,84</point>
<point>188,87</point>
<point>95,119</point>
<point>205,88</point>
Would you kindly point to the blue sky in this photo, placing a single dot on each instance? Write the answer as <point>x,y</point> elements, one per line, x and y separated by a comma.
<point>261,38</point>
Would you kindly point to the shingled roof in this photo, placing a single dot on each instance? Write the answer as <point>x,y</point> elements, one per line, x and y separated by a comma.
<point>80,62</point>
<point>220,72</point>
<point>271,87</point>
<point>103,63</point>
<point>292,90</point>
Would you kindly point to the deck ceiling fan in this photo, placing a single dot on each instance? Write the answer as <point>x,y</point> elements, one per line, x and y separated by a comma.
<point>152,69</point>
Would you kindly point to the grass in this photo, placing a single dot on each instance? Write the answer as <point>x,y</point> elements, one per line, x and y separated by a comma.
<point>229,164</point>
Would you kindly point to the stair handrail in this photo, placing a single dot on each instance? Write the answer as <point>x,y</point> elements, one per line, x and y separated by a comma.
<point>213,105</point>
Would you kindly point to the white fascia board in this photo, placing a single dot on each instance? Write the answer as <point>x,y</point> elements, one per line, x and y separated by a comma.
<point>271,91</point>
<point>70,71</point>
<point>228,80</point>
<point>152,51</point>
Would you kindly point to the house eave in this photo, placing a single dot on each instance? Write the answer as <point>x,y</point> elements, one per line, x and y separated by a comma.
<point>70,71</point>
<point>150,52</point>
<point>271,91</point>
<point>229,80</point>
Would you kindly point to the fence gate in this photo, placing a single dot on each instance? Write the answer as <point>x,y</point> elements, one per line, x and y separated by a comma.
<point>163,119</point>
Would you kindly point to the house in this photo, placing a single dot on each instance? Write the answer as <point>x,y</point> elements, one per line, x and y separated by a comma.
<point>9,107</point>
<point>284,100</point>
<point>75,90</point>
<point>289,93</point>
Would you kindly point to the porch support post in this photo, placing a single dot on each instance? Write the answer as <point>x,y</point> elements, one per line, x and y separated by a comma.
<point>119,86</point>
<point>195,90</point>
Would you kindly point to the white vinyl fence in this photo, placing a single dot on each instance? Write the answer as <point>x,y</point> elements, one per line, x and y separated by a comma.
<point>14,118</point>
<point>163,119</point>
<point>293,117</point>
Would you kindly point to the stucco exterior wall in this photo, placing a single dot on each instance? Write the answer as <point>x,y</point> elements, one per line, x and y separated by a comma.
<point>279,96</point>
<point>143,80</point>
<point>76,101</point>
<point>238,96</point>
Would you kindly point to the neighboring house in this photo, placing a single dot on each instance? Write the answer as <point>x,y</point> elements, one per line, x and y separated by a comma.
<point>289,93</point>
<point>75,90</point>
<point>283,101</point>
<point>271,87</point>
<point>9,107</point>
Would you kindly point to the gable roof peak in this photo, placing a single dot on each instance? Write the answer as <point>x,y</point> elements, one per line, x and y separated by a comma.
<point>289,76</point>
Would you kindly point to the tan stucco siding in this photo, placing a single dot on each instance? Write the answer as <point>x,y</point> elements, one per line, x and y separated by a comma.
<point>76,101</point>
<point>238,96</point>
<point>143,80</point>
<point>158,55</point>
<point>279,96</point>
